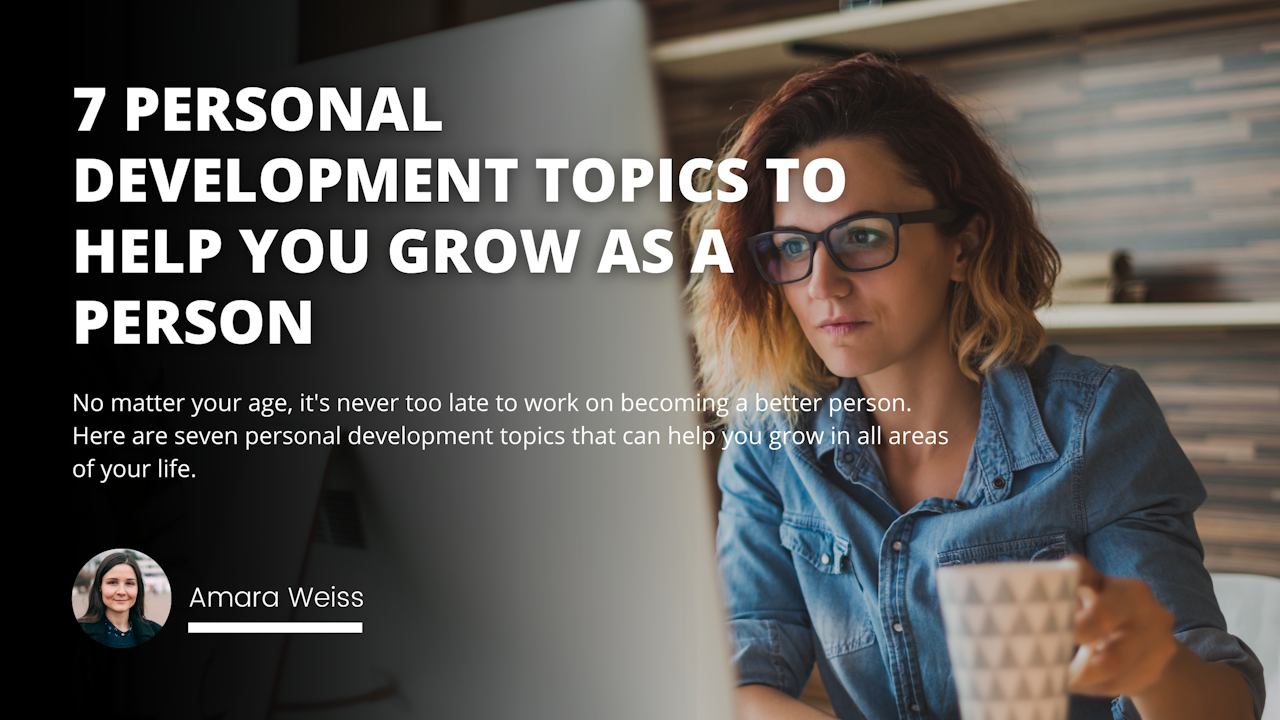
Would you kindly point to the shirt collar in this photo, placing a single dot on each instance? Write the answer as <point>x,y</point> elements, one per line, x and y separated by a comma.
<point>1011,434</point>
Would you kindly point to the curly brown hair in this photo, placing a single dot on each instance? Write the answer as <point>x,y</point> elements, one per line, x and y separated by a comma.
<point>746,334</point>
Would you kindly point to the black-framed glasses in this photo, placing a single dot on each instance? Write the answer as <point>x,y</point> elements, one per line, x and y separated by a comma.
<point>857,244</point>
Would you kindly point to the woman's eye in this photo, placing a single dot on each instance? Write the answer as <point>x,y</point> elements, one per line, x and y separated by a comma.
<point>793,248</point>
<point>862,237</point>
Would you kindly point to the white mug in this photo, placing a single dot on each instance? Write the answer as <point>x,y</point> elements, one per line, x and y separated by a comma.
<point>1009,633</point>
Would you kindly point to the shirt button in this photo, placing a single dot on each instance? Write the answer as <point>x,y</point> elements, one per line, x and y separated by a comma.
<point>826,559</point>
<point>998,482</point>
<point>915,708</point>
<point>897,545</point>
<point>961,505</point>
<point>897,627</point>
<point>848,457</point>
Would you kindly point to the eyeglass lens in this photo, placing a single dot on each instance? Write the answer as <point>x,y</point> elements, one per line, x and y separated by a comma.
<point>859,244</point>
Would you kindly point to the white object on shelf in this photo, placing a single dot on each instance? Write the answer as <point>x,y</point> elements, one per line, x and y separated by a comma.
<point>1157,315</point>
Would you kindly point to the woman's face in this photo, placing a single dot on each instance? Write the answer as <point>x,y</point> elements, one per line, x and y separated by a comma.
<point>861,323</point>
<point>119,588</point>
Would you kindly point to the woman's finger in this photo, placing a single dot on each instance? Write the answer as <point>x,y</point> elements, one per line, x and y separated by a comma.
<point>1109,610</point>
<point>1089,625</point>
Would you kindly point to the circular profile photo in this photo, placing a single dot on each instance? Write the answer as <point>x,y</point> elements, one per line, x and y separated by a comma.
<point>121,598</point>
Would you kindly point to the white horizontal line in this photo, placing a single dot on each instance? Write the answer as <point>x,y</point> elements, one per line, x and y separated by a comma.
<point>236,628</point>
<point>1124,315</point>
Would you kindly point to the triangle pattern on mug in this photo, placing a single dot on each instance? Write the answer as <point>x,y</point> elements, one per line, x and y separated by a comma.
<point>1009,636</point>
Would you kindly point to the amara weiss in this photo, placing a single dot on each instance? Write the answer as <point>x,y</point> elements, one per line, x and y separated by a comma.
<point>298,597</point>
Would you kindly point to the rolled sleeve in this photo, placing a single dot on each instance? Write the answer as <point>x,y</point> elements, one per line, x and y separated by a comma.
<point>1220,646</point>
<point>1212,645</point>
<point>768,652</point>
<point>769,625</point>
<point>1139,492</point>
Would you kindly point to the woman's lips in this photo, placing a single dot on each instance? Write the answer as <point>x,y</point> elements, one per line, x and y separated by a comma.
<point>842,325</point>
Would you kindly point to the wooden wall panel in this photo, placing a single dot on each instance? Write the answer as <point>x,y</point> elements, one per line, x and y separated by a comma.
<point>1151,138</point>
<point>1148,141</point>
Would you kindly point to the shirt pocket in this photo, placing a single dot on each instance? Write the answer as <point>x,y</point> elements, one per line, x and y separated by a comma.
<point>1041,547</point>
<point>832,593</point>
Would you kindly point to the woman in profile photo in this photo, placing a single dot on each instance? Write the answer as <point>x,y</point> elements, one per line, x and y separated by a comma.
<point>117,609</point>
<point>920,282</point>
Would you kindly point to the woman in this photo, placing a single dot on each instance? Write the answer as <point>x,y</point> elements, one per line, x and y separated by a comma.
<point>920,282</point>
<point>117,607</point>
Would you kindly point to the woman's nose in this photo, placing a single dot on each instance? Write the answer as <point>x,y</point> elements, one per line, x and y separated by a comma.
<point>827,279</point>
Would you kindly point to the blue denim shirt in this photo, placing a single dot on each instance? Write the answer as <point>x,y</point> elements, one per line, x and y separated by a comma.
<point>818,563</point>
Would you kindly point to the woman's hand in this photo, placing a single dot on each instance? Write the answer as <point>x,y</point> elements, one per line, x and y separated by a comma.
<point>1127,647</point>
<point>1125,635</point>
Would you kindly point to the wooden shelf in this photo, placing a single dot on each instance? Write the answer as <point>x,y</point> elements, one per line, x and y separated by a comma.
<point>909,27</point>
<point>1161,315</point>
